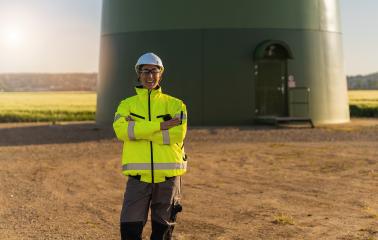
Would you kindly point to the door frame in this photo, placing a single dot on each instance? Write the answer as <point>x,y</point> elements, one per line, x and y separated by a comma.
<point>265,52</point>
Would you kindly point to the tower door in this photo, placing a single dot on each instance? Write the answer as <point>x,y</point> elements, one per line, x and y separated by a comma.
<point>270,75</point>
<point>271,88</point>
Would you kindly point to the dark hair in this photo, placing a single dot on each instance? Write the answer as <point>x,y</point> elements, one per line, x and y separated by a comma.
<point>140,67</point>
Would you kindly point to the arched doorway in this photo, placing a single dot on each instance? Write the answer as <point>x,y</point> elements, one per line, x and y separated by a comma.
<point>271,75</point>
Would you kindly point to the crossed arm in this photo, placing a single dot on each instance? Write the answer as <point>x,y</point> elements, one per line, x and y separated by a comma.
<point>163,125</point>
<point>167,132</point>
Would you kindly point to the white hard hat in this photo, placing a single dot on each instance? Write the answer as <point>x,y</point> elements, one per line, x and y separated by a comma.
<point>149,58</point>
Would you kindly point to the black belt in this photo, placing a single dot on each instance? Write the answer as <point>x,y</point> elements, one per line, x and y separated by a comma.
<point>137,177</point>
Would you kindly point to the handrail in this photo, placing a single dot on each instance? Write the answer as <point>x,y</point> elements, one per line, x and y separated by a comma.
<point>304,101</point>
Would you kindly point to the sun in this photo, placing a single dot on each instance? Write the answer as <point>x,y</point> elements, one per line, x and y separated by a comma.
<point>13,37</point>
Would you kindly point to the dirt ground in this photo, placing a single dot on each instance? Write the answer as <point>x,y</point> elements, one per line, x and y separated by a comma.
<point>64,182</point>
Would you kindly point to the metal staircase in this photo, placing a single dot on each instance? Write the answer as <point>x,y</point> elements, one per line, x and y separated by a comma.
<point>299,109</point>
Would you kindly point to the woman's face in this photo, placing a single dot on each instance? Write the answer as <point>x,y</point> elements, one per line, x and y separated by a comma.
<point>150,76</point>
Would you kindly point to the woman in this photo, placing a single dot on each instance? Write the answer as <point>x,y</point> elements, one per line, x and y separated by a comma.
<point>152,126</point>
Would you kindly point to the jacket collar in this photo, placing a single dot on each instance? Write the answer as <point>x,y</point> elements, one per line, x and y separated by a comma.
<point>144,91</point>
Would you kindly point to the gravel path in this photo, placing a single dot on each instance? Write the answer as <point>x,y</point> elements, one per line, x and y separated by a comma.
<point>63,182</point>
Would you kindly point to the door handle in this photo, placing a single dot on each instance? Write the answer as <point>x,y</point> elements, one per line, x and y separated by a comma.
<point>281,89</point>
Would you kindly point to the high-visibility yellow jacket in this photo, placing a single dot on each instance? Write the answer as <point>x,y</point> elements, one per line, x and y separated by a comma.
<point>149,152</point>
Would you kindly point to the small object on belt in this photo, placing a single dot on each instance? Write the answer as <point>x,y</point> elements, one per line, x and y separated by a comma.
<point>175,209</point>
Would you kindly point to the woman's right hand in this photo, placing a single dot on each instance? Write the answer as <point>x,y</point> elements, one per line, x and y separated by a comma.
<point>170,123</point>
<point>129,119</point>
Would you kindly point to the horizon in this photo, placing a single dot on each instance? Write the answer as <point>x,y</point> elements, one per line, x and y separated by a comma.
<point>57,73</point>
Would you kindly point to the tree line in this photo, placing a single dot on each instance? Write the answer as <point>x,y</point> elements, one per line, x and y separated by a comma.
<point>369,81</point>
<point>32,82</point>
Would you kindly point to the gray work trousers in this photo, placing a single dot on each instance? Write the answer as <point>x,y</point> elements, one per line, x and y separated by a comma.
<point>160,197</point>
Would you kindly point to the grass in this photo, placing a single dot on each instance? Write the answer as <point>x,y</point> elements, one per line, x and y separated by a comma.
<point>47,106</point>
<point>283,219</point>
<point>372,213</point>
<point>363,103</point>
<point>79,106</point>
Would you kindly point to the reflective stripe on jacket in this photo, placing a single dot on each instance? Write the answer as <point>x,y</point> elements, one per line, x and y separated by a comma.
<point>148,151</point>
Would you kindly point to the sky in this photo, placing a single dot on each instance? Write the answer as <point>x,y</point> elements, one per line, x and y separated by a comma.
<point>64,35</point>
<point>359,19</point>
<point>49,35</point>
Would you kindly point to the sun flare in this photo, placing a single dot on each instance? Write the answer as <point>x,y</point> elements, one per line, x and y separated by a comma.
<point>13,37</point>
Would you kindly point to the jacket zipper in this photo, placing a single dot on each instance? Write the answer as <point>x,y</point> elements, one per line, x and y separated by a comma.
<point>151,149</point>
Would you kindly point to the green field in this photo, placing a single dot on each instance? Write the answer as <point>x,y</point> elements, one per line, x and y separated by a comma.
<point>79,106</point>
<point>47,106</point>
<point>363,103</point>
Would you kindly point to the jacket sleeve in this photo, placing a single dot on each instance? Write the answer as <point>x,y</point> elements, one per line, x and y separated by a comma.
<point>132,130</point>
<point>176,134</point>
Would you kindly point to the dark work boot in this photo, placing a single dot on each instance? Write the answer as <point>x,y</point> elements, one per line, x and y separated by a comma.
<point>160,231</point>
<point>131,230</point>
